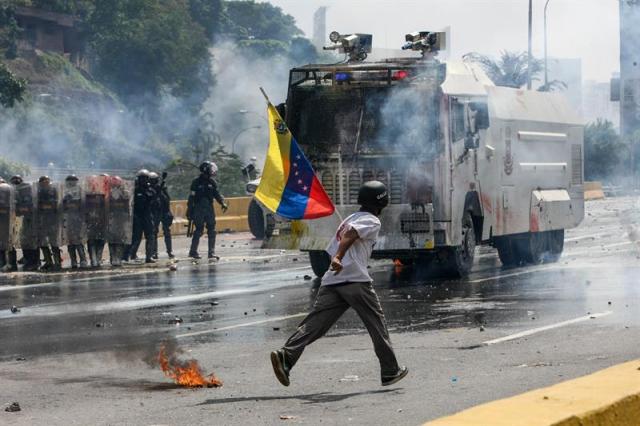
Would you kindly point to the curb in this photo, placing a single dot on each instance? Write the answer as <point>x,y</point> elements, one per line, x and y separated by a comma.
<point>593,191</point>
<point>606,398</point>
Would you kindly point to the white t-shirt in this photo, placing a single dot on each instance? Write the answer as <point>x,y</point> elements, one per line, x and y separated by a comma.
<point>357,257</point>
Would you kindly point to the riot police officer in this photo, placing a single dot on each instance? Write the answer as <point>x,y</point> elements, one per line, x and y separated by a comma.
<point>154,205</point>
<point>7,223</point>
<point>49,224</point>
<point>164,217</point>
<point>119,219</point>
<point>143,199</point>
<point>96,216</point>
<point>26,209</point>
<point>204,190</point>
<point>73,219</point>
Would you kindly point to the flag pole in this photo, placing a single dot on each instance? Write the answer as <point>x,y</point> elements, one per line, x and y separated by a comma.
<point>265,95</point>
<point>336,211</point>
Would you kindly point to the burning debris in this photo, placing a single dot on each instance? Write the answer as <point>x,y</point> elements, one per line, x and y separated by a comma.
<point>185,373</point>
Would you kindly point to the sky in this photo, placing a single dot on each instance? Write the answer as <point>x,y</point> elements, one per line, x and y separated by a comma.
<point>586,29</point>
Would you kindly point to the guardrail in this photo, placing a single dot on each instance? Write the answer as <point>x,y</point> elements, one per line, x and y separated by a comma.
<point>593,191</point>
<point>234,220</point>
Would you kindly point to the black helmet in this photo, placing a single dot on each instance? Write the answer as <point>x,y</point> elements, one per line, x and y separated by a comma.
<point>154,177</point>
<point>142,173</point>
<point>373,194</point>
<point>208,168</point>
<point>16,180</point>
<point>44,179</point>
<point>71,178</point>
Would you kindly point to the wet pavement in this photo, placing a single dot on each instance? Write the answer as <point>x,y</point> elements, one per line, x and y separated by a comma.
<point>83,340</point>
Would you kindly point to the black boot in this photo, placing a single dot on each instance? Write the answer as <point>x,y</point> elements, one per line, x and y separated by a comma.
<point>168,244</point>
<point>82,255</point>
<point>12,261</point>
<point>31,259</point>
<point>73,256</point>
<point>57,259</point>
<point>48,259</point>
<point>212,245</point>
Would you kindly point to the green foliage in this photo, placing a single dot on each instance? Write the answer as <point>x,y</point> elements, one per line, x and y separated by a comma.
<point>510,70</point>
<point>263,21</point>
<point>207,13</point>
<point>10,168</point>
<point>9,32</point>
<point>145,46</point>
<point>603,151</point>
<point>11,88</point>
<point>230,179</point>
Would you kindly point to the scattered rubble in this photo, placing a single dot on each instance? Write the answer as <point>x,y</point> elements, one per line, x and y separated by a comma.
<point>284,417</point>
<point>14,407</point>
<point>14,309</point>
<point>176,320</point>
<point>307,277</point>
<point>173,267</point>
<point>350,378</point>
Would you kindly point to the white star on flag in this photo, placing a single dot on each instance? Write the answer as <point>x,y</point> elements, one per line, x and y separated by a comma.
<point>298,157</point>
<point>295,164</point>
<point>304,188</point>
<point>300,182</point>
<point>296,174</point>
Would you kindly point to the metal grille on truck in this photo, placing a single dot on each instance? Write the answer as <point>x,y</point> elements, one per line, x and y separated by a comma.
<point>576,164</point>
<point>414,222</point>
<point>352,181</point>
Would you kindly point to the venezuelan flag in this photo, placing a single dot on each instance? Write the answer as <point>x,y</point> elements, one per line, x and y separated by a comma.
<point>289,187</point>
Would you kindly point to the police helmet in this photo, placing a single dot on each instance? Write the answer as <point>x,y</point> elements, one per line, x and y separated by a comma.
<point>142,173</point>
<point>16,180</point>
<point>373,194</point>
<point>44,179</point>
<point>154,177</point>
<point>71,178</point>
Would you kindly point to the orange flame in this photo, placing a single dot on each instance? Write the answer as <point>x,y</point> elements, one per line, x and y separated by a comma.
<point>187,374</point>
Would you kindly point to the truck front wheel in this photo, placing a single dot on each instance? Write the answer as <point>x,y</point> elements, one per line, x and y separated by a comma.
<point>461,257</point>
<point>256,220</point>
<point>320,262</point>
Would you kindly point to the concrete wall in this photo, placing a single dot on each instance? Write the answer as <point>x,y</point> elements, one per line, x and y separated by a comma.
<point>235,219</point>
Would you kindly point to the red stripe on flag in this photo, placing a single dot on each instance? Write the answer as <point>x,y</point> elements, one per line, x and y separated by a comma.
<point>319,204</point>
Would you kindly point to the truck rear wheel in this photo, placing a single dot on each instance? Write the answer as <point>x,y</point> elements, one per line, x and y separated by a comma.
<point>320,262</point>
<point>256,220</point>
<point>555,243</point>
<point>461,257</point>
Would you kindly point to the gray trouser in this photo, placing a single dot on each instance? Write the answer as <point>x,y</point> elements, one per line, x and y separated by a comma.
<point>331,302</point>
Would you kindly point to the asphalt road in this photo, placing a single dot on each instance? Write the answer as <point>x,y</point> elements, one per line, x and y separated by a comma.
<point>82,350</point>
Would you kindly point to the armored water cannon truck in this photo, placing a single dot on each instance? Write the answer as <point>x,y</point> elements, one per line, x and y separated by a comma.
<point>466,162</point>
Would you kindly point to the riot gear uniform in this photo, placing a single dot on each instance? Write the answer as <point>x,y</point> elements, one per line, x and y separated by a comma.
<point>143,199</point>
<point>119,219</point>
<point>7,224</point>
<point>154,182</point>
<point>73,220</point>
<point>204,190</point>
<point>49,219</point>
<point>166,217</point>
<point>96,216</point>
<point>26,209</point>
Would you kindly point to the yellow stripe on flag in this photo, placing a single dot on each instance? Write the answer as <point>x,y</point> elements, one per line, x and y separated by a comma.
<point>276,166</point>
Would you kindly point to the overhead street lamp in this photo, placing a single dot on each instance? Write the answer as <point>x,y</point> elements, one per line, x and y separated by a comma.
<point>530,49</point>
<point>233,143</point>
<point>246,111</point>
<point>546,68</point>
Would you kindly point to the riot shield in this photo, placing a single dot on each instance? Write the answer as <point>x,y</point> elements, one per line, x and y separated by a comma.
<point>26,211</point>
<point>73,212</point>
<point>97,189</point>
<point>49,215</point>
<point>7,217</point>
<point>120,211</point>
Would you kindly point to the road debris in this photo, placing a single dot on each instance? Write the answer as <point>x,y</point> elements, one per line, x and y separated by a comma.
<point>14,407</point>
<point>307,277</point>
<point>284,417</point>
<point>21,358</point>
<point>350,378</point>
<point>185,373</point>
<point>14,309</point>
<point>176,320</point>
<point>173,267</point>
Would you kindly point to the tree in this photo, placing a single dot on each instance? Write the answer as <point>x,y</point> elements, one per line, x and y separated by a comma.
<point>10,168</point>
<point>146,46</point>
<point>11,88</point>
<point>510,70</point>
<point>207,13</point>
<point>603,151</point>
<point>262,21</point>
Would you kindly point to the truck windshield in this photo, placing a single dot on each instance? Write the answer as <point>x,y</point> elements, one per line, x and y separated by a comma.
<point>378,120</point>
